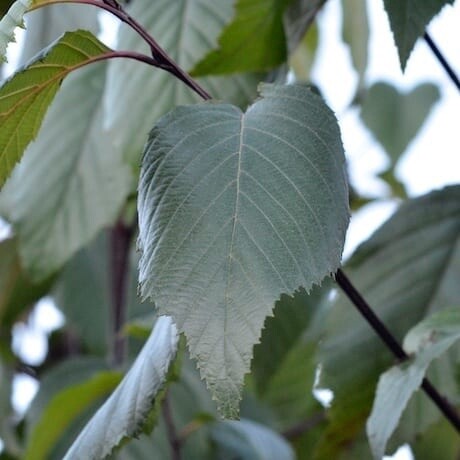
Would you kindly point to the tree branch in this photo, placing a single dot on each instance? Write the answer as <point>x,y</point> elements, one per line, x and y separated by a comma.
<point>442,60</point>
<point>381,330</point>
<point>120,242</point>
<point>174,440</point>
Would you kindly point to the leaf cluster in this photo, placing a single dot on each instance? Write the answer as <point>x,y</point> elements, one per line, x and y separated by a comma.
<point>191,245</point>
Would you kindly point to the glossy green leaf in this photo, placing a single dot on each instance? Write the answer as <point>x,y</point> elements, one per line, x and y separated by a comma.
<point>248,440</point>
<point>126,411</point>
<point>427,341</point>
<point>290,322</point>
<point>440,440</point>
<point>395,118</point>
<point>26,96</point>
<point>187,29</point>
<point>408,269</point>
<point>408,20</point>
<point>355,33</point>
<point>69,187</point>
<point>64,407</point>
<point>235,209</point>
<point>254,40</point>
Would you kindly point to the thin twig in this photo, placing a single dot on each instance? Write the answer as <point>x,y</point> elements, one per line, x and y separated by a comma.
<point>160,57</point>
<point>381,330</point>
<point>120,242</point>
<point>174,440</point>
<point>442,60</point>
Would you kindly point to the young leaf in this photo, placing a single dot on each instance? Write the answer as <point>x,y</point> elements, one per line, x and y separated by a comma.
<point>64,407</point>
<point>408,20</point>
<point>187,30</point>
<point>395,118</point>
<point>247,440</point>
<point>407,269</point>
<point>235,209</point>
<point>125,412</point>
<point>428,340</point>
<point>25,97</point>
<point>67,188</point>
<point>254,40</point>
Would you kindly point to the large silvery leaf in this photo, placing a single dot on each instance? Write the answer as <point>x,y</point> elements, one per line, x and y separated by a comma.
<point>187,29</point>
<point>235,209</point>
<point>408,269</point>
<point>125,412</point>
<point>408,20</point>
<point>27,95</point>
<point>428,340</point>
<point>68,187</point>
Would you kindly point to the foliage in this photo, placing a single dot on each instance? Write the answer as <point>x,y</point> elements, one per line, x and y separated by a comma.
<point>239,208</point>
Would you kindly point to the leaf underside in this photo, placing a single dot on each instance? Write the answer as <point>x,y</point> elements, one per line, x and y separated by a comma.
<point>235,209</point>
<point>125,412</point>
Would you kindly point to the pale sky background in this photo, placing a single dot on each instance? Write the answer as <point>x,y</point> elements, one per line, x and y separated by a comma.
<point>432,159</point>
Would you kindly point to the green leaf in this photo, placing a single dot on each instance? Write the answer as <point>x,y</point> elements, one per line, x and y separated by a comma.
<point>253,41</point>
<point>64,407</point>
<point>87,310</point>
<point>408,20</point>
<point>86,183</point>
<point>248,440</point>
<point>395,118</point>
<point>186,29</point>
<point>428,340</point>
<point>25,97</point>
<point>17,292</point>
<point>126,411</point>
<point>355,33</point>
<point>406,270</point>
<point>235,209</point>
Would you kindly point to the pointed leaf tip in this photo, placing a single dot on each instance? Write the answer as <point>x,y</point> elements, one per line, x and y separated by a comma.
<point>235,209</point>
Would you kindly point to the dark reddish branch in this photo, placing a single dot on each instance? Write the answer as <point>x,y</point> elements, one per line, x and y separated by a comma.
<point>120,243</point>
<point>174,440</point>
<point>381,330</point>
<point>442,60</point>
